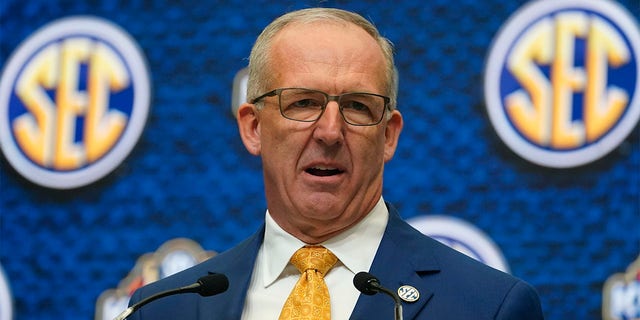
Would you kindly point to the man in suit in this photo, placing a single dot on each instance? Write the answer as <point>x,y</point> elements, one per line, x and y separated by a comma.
<point>322,116</point>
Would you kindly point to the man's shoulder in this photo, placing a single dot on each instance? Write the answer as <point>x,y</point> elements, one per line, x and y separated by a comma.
<point>455,264</point>
<point>181,278</point>
<point>231,262</point>
<point>457,278</point>
<point>429,254</point>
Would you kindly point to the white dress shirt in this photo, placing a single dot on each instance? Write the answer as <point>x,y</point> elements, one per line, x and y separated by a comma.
<point>273,276</point>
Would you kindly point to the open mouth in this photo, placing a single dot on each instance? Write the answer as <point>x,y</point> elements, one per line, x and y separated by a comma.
<point>323,172</point>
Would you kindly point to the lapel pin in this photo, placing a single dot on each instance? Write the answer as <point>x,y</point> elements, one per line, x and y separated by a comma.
<point>408,293</point>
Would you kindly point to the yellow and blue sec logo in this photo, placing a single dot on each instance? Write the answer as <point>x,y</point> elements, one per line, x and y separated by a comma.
<point>74,99</point>
<point>562,81</point>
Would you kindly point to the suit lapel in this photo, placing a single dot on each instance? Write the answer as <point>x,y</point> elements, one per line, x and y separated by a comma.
<point>237,265</point>
<point>400,260</point>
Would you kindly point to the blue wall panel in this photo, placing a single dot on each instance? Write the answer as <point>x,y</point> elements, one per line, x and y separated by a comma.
<point>564,231</point>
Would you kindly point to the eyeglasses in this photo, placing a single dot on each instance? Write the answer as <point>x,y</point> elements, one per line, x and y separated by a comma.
<point>308,105</point>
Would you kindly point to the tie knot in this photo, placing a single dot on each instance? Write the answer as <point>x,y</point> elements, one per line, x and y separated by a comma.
<point>314,257</point>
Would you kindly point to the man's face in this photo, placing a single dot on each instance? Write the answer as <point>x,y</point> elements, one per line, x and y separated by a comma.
<point>321,177</point>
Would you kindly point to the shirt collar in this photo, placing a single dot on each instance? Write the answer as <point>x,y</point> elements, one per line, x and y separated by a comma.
<point>355,247</point>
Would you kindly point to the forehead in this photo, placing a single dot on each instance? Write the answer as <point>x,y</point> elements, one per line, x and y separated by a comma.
<point>335,52</point>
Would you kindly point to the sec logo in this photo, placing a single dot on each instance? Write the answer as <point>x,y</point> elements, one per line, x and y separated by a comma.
<point>74,99</point>
<point>562,81</point>
<point>463,237</point>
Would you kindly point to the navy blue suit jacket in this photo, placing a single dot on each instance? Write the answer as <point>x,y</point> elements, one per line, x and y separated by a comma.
<point>451,285</point>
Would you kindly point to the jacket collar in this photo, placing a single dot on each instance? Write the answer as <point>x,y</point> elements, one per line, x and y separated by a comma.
<point>401,260</point>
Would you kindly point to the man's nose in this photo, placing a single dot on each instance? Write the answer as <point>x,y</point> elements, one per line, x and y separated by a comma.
<point>329,127</point>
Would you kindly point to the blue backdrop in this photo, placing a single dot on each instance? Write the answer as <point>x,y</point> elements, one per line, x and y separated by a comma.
<point>564,231</point>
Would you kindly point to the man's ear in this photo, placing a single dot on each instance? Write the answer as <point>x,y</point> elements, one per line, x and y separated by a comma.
<point>249,127</point>
<point>392,134</point>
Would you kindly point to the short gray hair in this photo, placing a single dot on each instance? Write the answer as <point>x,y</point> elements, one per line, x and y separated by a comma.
<point>260,75</point>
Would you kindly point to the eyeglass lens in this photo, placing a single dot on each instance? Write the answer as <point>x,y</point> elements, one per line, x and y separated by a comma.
<point>307,105</point>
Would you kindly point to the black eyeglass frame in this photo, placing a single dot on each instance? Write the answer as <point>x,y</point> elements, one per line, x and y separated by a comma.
<point>276,92</point>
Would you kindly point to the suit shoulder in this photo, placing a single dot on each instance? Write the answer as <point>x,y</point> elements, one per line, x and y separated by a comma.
<point>513,297</point>
<point>230,263</point>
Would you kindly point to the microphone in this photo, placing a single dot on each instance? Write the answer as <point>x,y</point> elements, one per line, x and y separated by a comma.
<point>206,286</point>
<point>368,284</point>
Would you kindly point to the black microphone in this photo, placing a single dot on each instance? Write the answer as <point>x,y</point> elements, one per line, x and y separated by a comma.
<point>206,286</point>
<point>368,284</point>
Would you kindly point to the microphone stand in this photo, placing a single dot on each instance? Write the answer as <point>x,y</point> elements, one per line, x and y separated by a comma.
<point>206,286</point>
<point>398,304</point>
<point>188,289</point>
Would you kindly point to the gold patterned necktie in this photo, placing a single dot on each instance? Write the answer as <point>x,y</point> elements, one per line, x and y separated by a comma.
<point>309,298</point>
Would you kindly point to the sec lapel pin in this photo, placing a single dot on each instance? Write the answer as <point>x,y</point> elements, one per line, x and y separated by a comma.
<point>408,293</point>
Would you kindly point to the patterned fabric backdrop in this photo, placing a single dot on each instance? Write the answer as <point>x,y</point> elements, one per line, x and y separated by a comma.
<point>563,230</point>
